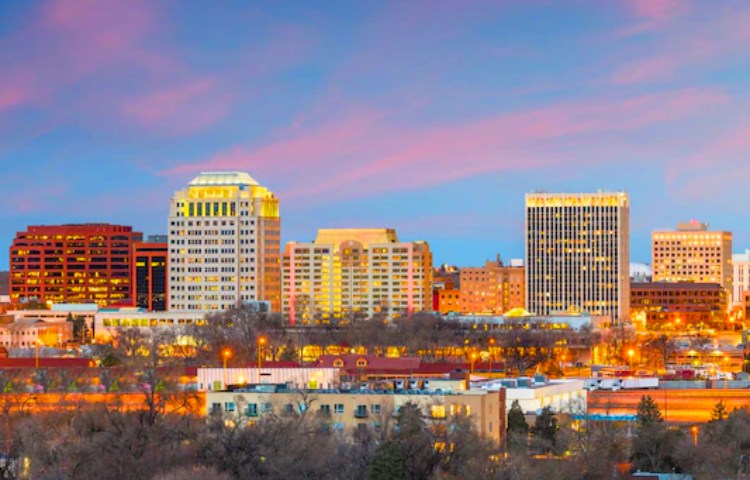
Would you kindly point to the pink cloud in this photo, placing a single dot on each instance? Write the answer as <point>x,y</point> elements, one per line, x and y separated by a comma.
<point>705,43</point>
<point>366,152</point>
<point>182,109</point>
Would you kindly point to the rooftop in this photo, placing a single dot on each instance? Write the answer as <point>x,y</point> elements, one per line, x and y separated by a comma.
<point>210,179</point>
<point>366,236</point>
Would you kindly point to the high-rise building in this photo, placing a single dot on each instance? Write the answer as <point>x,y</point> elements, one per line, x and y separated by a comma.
<point>224,244</point>
<point>577,253</point>
<point>78,263</point>
<point>350,272</point>
<point>494,288</point>
<point>692,253</point>
<point>149,275</point>
<point>740,277</point>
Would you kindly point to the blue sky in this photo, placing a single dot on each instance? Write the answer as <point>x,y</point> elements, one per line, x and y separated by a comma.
<point>430,117</point>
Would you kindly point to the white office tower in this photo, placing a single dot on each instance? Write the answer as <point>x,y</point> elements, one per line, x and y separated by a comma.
<point>224,244</point>
<point>577,253</point>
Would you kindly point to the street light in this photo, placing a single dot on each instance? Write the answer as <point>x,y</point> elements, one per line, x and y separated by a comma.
<point>473,358</point>
<point>36,353</point>
<point>226,354</point>
<point>261,342</point>
<point>630,355</point>
<point>694,430</point>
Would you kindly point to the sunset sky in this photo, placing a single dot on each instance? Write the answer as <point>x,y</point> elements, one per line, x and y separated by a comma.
<point>431,117</point>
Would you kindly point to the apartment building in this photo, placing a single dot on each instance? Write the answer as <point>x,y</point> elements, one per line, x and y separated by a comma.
<point>350,410</point>
<point>347,273</point>
<point>692,253</point>
<point>494,288</point>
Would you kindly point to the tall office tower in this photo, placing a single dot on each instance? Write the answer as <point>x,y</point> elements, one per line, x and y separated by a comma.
<point>577,253</point>
<point>740,277</point>
<point>345,273</point>
<point>224,244</point>
<point>494,288</point>
<point>692,253</point>
<point>77,263</point>
<point>149,274</point>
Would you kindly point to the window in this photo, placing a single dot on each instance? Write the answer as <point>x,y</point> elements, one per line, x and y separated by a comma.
<point>361,411</point>
<point>325,410</point>
<point>252,410</point>
<point>215,408</point>
<point>437,411</point>
<point>229,406</point>
<point>266,408</point>
<point>375,409</point>
<point>338,408</point>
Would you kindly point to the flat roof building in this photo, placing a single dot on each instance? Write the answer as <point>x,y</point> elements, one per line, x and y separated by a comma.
<point>345,273</point>
<point>75,263</point>
<point>577,253</point>
<point>692,253</point>
<point>350,410</point>
<point>224,244</point>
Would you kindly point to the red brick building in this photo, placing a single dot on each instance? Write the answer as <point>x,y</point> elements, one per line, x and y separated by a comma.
<point>81,263</point>
<point>678,304</point>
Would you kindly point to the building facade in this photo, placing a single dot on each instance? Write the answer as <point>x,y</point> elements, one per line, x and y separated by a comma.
<point>446,301</point>
<point>493,289</point>
<point>224,244</point>
<point>149,275</point>
<point>577,253</point>
<point>677,305</point>
<point>77,263</point>
<point>362,408</point>
<point>346,273</point>
<point>740,277</point>
<point>692,253</point>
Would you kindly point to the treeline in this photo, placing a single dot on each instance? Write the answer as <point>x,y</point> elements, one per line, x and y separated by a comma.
<point>424,335</point>
<point>169,441</point>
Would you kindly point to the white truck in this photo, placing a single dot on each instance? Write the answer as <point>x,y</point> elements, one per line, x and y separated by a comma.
<point>640,383</point>
<point>615,384</point>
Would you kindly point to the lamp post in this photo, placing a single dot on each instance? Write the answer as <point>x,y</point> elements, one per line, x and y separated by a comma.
<point>36,353</point>
<point>630,356</point>
<point>694,430</point>
<point>262,341</point>
<point>226,354</point>
<point>473,358</point>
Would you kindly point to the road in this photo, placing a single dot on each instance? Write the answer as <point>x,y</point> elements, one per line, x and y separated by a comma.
<point>679,406</point>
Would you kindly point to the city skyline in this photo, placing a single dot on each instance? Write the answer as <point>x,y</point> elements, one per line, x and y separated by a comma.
<point>432,121</point>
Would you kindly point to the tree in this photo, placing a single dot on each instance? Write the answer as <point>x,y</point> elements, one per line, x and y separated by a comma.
<point>416,442</point>
<point>516,419</point>
<point>719,412</point>
<point>80,329</point>
<point>388,463</point>
<point>544,431</point>
<point>660,348</point>
<point>524,348</point>
<point>653,444</point>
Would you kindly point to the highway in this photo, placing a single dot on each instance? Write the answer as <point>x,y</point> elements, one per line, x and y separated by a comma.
<point>678,406</point>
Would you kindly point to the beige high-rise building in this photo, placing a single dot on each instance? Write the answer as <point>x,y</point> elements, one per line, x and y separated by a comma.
<point>692,253</point>
<point>224,244</point>
<point>740,277</point>
<point>349,272</point>
<point>577,253</point>
<point>494,288</point>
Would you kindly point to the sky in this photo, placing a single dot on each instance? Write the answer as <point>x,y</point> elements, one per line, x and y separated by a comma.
<point>434,118</point>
